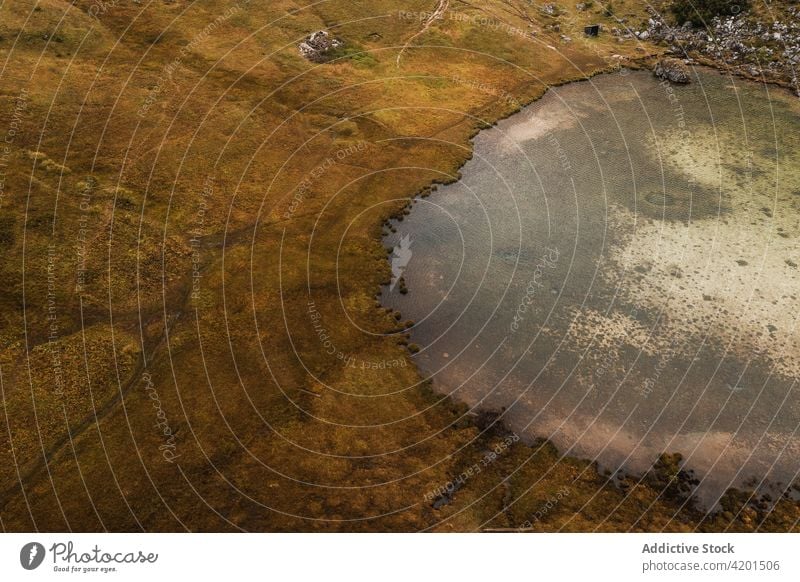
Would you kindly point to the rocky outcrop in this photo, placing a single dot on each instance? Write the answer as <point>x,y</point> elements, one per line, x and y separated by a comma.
<point>673,70</point>
<point>744,44</point>
<point>317,46</point>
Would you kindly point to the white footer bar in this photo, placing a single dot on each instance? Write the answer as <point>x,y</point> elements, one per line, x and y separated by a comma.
<point>400,557</point>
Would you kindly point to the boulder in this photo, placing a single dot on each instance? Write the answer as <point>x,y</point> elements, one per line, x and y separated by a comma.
<point>549,10</point>
<point>316,46</point>
<point>673,70</point>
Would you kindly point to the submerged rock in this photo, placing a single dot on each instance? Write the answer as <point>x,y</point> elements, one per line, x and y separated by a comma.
<point>316,46</point>
<point>673,70</point>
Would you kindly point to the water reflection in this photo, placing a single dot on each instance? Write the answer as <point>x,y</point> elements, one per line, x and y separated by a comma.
<point>618,268</point>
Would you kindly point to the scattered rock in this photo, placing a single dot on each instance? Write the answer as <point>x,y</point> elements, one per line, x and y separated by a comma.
<point>549,9</point>
<point>673,70</point>
<point>746,44</point>
<point>316,46</point>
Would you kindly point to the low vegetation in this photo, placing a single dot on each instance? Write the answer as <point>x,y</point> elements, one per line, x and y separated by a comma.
<point>191,246</point>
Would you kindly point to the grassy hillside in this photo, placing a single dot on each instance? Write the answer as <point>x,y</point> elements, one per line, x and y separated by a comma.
<point>180,187</point>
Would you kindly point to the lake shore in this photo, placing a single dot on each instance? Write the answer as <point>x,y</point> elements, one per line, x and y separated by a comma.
<point>194,270</point>
<point>437,200</point>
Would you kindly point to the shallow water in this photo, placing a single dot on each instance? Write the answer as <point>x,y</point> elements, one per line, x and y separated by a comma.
<point>618,268</point>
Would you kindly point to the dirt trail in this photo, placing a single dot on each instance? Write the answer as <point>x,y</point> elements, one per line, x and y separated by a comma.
<point>437,14</point>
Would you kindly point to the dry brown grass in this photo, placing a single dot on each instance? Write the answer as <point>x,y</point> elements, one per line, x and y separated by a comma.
<point>272,433</point>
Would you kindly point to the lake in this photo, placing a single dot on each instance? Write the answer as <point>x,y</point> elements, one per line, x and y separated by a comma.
<point>617,268</point>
